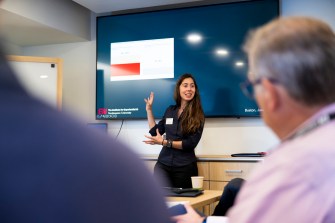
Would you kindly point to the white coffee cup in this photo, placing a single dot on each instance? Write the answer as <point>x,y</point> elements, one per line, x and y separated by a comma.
<point>197,182</point>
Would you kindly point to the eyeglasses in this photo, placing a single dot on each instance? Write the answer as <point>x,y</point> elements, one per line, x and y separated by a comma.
<point>247,87</point>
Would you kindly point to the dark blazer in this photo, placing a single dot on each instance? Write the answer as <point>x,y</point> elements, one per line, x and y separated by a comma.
<point>54,169</point>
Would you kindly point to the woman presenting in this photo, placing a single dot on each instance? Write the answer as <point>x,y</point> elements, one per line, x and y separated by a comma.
<point>183,124</point>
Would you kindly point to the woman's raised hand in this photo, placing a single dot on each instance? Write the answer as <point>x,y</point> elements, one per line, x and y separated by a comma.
<point>149,101</point>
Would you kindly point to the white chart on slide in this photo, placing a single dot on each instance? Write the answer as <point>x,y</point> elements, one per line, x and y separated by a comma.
<point>144,59</point>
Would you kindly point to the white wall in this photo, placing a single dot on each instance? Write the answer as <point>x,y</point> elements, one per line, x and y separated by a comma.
<point>221,135</point>
<point>322,9</point>
<point>11,49</point>
<point>63,15</point>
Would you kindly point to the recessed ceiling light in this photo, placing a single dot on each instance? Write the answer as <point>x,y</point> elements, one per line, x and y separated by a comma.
<point>222,52</point>
<point>194,38</point>
<point>239,63</point>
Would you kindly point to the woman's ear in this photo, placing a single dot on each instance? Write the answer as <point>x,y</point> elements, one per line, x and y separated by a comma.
<point>271,95</point>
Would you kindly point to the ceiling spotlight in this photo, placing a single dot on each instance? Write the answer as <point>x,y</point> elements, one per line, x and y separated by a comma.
<point>222,52</point>
<point>239,64</point>
<point>44,76</point>
<point>194,38</point>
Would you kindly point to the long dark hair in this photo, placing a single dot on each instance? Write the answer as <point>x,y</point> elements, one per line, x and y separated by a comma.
<point>193,116</point>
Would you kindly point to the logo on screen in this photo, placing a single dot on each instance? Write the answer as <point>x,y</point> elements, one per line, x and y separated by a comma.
<point>102,111</point>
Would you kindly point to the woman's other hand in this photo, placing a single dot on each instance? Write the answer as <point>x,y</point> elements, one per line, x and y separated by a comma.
<point>190,217</point>
<point>154,140</point>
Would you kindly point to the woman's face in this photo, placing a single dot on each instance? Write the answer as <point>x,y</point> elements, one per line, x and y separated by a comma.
<point>187,90</point>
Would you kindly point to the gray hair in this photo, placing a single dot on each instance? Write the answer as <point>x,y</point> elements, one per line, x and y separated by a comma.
<point>299,53</point>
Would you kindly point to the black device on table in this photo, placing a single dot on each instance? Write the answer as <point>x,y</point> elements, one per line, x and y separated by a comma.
<point>182,192</point>
<point>259,154</point>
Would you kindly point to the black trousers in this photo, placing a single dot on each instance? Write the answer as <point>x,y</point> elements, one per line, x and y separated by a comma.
<point>228,196</point>
<point>172,176</point>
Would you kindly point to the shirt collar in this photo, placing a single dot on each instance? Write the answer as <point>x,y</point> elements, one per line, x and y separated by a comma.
<point>312,122</point>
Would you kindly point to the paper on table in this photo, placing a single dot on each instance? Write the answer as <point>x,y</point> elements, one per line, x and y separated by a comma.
<point>174,203</point>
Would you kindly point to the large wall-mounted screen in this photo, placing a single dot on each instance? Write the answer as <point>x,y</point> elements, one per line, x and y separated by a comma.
<point>142,52</point>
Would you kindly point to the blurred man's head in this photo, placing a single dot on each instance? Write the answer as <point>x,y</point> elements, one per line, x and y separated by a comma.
<point>292,61</point>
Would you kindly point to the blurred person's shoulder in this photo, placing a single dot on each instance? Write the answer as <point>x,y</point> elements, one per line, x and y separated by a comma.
<point>88,169</point>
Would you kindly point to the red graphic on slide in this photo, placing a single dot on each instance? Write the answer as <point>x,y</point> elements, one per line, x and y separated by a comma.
<point>128,69</point>
<point>102,111</point>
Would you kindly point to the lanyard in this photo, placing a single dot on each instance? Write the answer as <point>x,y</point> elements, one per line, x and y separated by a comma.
<point>317,123</point>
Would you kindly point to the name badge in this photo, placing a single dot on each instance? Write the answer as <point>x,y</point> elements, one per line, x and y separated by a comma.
<point>169,121</point>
